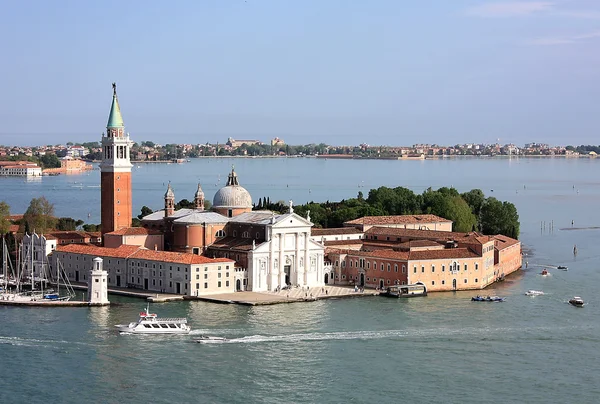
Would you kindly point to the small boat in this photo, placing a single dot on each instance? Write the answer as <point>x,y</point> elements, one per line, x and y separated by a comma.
<point>204,338</point>
<point>415,290</point>
<point>544,272</point>
<point>577,301</point>
<point>149,323</point>
<point>564,268</point>
<point>488,299</point>
<point>534,293</point>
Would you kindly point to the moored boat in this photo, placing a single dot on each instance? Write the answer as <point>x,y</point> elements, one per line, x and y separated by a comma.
<point>488,299</point>
<point>149,323</point>
<point>577,301</point>
<point>413,290</point>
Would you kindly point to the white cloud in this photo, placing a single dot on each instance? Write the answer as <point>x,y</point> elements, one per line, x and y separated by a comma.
<point>510,9</point>
<point>564,40</point>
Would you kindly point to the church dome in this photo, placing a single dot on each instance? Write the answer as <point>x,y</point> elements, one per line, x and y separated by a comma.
<point>233,195</point>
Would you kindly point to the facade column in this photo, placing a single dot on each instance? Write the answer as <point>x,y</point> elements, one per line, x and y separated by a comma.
<point>306,258</point>
<point>281,274</point>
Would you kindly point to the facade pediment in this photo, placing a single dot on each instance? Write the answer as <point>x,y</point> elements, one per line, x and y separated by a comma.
<point>290,220</point>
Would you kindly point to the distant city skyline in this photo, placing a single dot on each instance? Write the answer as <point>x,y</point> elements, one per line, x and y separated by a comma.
<point>337,72</point>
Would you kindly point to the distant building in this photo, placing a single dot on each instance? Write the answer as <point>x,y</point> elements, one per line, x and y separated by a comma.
<point>231,142</point>
<point>19,169</point>
<point>277,142</point>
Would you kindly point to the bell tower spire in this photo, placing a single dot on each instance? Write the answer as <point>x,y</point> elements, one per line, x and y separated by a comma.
<point>199,199</point>
<point>169,201</point>
<point>115,171</point>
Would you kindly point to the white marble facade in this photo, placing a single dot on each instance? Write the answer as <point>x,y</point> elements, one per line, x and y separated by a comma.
<point>288,257</point>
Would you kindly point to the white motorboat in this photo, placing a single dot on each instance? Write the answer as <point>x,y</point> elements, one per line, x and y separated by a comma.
<point>577,301</point>
<point>205,338</point>
<point>149,323</point>
<point>534,293</point>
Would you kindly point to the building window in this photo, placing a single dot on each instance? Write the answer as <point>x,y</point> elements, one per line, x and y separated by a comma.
<point>197,286</point>
<point>246,234</point>
<point>476,266</point>
<point>205,276</point>
<point>443,282</point>
<point>415,269</point>
<point>465,281</point>
<point>196,250</point>
<point>226,274</point>
<point>432,283</point>
<point>219,275</point>
<point>422,269</point>
<point>227,283</point>
<point>395,267</point>
<point>476,280</point>
<point>219,284</point>
<point>205,285</point>
<point>389,267</point>
<point>220,233</point>
<point>433,268</point>
<point>465,267</point>
<point>382,267</point>
<point>443,268</point>
<point>368,265</point>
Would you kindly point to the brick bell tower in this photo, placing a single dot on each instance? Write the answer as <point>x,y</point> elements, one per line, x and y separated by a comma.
<point>115,172</point>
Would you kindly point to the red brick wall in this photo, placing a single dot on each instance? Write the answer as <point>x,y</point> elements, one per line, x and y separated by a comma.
<point>115,202</point>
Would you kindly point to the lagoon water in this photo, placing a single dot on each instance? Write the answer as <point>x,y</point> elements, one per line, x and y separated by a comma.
<point>438,349</point>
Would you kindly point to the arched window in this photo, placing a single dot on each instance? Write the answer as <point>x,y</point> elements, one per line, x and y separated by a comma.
<point>220,233</point>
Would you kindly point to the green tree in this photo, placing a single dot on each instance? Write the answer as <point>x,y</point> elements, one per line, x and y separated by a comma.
<point>499,218</point>
<point>68,224</point>
<point>50,160</point>
<point>4,219</point>
<point>145,212</point>
<point>474,199</point>
<point>39,216</point>
<point>91,227</point>
<point>184,204</point>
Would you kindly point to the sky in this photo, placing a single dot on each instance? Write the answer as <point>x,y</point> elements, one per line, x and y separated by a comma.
<point>341,72</point>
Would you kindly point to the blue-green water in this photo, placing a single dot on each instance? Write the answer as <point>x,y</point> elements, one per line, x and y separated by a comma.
<point>442,348</point>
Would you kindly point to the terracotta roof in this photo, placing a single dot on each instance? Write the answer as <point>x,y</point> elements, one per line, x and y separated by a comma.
<point>342,242</point>
<point>334,231</point>
<point>175,257</point>
<point>136,252</point>
<point>135,231</point>
<point>420,243</point>
<point>122,251</point>
<point>61,235</point>
<point>397,219</point>
<point>501,241</point>
<point>15,217</point>
<point>234,243</point>
<point>437,235</point>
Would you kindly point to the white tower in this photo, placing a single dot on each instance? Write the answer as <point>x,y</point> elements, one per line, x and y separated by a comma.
<point>98,285</point>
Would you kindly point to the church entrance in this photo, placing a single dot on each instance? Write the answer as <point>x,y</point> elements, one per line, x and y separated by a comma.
<point>118,280</point>
<point>287,269</point>
<point>238,285</point>
<point>326,279</point>
<point>454,284</point>
<point>178,287</point>
<point>362,280</point>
